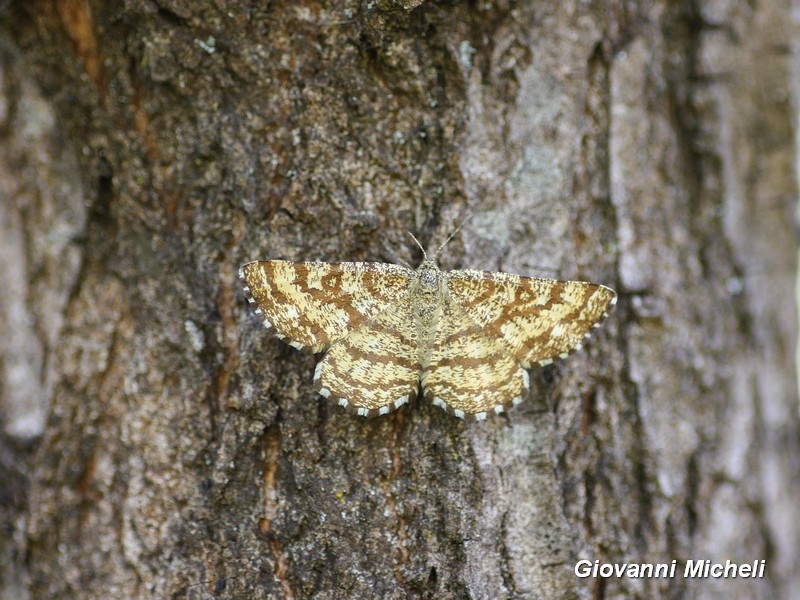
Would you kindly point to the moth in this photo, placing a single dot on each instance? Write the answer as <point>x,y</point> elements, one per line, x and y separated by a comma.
<point>465,338</point>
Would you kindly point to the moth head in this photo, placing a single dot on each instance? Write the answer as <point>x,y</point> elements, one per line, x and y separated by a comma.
<point>429,273</point>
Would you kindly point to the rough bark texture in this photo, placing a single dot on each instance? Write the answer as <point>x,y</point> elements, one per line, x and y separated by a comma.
<point>157,443</point>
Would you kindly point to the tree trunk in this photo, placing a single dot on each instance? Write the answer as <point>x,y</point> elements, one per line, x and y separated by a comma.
<point>157,442</point>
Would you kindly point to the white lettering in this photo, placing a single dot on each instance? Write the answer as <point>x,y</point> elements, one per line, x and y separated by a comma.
<point>702,568</point>
<point>733,566</point>
<point>645,570</point>
<point>694,568</point>
<point>583,568</point>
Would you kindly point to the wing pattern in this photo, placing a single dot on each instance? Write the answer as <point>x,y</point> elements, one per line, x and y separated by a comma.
<point>311,305</point>
<point>538,320</point>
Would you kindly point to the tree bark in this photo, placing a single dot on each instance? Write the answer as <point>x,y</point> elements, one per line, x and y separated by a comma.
<point>156,442</point>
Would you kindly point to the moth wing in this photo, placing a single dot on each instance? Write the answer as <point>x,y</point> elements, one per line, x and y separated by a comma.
<point>470,373</point>
<point>538,320</point>
<point>311,305</point>
<point>375,368</point>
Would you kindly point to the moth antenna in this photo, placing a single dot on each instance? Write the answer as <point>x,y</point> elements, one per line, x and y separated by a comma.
<point>424,254</point>
<point>451,236</point>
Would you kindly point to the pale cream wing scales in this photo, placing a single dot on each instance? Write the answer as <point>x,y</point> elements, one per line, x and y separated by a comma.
<point>310,305</point>
<point>539,320</point>
<point>375,368</point>
<point>468,372</point>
